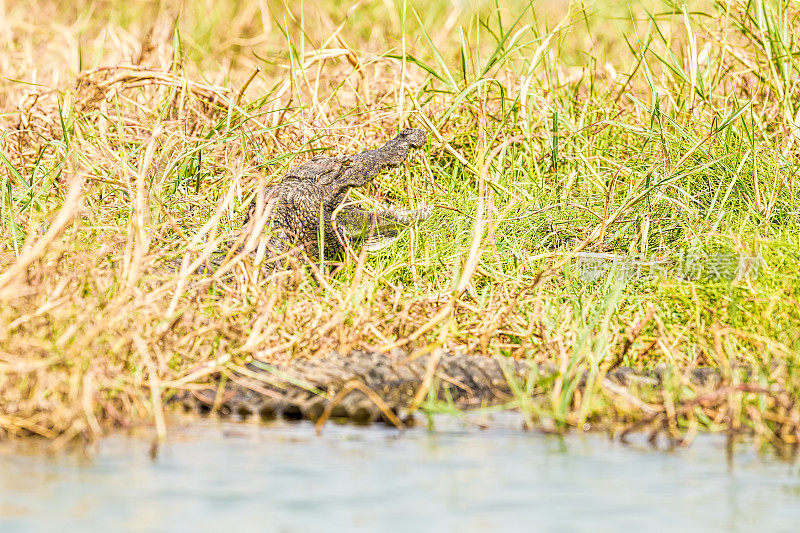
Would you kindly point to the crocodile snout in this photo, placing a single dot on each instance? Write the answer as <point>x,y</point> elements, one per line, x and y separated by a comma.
<point>414,136</point>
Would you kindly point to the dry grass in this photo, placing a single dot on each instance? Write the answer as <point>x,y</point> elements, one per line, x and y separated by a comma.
<point>134,135</point>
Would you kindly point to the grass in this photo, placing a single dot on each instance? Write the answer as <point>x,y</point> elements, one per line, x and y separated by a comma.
<point>131,134</point>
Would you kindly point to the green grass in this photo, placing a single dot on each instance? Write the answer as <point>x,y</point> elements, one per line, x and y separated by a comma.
<point>639,130</point>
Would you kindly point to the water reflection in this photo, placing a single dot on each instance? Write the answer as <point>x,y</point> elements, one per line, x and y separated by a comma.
<point>213,476</point>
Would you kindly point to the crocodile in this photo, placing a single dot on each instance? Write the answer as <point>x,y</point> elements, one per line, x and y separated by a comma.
<point>308,209</point>
<point>366,387</point>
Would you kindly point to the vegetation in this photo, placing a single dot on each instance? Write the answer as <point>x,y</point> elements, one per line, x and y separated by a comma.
<point>135,133</point>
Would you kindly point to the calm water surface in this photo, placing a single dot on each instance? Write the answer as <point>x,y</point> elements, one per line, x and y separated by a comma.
<point>214,476</point>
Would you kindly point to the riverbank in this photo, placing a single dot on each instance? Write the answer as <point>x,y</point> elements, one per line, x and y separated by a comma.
<point>613,186</point>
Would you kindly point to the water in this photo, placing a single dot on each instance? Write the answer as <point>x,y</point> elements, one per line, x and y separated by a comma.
<point>214,476</point>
